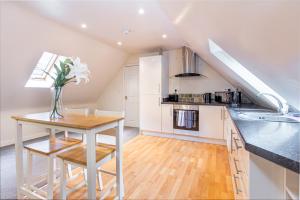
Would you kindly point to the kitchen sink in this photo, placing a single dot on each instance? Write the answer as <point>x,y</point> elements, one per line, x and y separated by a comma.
<point>267,116</point>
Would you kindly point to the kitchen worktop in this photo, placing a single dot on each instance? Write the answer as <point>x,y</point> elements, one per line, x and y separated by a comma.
<point>194,103</point>
<point>278,142</point>
<point>275,141</point>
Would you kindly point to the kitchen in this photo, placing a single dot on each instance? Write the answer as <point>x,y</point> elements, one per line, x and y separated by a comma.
<point>190,117</point>
<point>169,100</point>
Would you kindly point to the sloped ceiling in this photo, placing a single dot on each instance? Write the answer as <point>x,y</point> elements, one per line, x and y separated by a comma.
<point>264,36</point>
<point>106,20</point>
<point>261,35</point>
<point>24,37</point>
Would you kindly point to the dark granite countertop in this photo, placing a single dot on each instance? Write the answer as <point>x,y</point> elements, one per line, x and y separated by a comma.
<point>275,141</point>
<point>278,142</point>
<point>194,103</point>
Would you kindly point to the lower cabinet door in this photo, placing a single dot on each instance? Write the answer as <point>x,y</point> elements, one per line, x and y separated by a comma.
<point>150,113</point>
<point>167,118</point>
<point>211,122</point>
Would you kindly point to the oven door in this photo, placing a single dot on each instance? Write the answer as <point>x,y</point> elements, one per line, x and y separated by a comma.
<point>186,118</point>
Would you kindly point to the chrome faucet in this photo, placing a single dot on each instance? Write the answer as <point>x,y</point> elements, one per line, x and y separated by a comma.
<point>283,107</point>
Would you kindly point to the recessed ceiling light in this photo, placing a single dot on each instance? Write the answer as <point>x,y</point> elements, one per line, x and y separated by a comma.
<point>141,11</point>
<point>83,25</point>
<point>164,36</point>
<point>119,43</point>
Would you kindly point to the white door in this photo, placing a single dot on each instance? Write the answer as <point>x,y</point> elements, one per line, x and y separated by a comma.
<point>131,83</point>
<point>211,122</point>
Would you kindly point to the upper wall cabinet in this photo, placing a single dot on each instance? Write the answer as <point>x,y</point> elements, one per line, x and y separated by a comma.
<point>175,62</point>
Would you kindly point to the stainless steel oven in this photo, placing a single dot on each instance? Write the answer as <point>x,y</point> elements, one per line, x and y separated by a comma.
<point>186,117</point>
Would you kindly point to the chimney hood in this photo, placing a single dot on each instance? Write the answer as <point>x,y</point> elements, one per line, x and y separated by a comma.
<point>190,62</point>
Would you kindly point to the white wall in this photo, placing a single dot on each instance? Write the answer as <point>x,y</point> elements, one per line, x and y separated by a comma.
<point>23,38</point>
<point>262,35</point>
<point>198,85</point>
<point>8,125</point>
<point>112,97</point>
<point>25,35</point>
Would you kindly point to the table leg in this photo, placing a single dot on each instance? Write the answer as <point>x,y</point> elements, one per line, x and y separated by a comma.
<point>91,164</point>
<point>51,133</point>
<point>119,159</point>
<point>50,178</point>
<point>19,160</point>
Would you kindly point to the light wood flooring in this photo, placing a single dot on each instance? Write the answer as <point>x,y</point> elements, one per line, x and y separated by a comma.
<point>161,168</point>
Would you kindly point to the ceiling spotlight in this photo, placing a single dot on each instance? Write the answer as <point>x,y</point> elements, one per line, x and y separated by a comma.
<point>141,11</point>
<point>164,36</point>
<point>119,43</point>
<point>83,25</point>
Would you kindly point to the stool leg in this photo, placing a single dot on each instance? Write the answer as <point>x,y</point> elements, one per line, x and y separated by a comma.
<point>70,171</point>
<point>54,169</point>
<point>100,182</point>
<point>66,134</point>
<point>50,178</point>
<point>29,167</point>
<point>85,174</point>
<point>63,193</point>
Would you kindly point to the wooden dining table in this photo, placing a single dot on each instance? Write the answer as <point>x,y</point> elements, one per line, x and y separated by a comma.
<point>84,124</point>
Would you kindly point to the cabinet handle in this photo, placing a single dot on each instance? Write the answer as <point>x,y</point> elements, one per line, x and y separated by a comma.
<point>158,101</point>
<point>236,184</point>
<point>221,114</point>
<point>236,167</point>
<point>158,88</point>
<point>231,141</point>
<point>236,144</point>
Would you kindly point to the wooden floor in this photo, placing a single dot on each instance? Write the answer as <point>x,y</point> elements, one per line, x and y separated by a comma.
<point>161,168</point>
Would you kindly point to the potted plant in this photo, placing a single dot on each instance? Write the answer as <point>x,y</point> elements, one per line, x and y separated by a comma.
<point>70,70</point>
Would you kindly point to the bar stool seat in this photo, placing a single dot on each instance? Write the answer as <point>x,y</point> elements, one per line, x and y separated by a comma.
<point>51,146</point>
<point>77,157</point>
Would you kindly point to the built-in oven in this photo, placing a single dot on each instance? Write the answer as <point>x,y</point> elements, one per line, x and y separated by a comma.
<point>186,117</point>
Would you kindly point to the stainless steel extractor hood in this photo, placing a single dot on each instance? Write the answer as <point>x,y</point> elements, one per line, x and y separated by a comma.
<point>190,62</point>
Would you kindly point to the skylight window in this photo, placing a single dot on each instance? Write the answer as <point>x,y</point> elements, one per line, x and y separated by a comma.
<point>39,77</point>
<point>244,73</point>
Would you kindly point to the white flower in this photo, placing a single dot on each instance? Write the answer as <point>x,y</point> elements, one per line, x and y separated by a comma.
<point>79,71</point>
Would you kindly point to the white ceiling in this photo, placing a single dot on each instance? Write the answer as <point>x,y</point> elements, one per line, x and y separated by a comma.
<point>263,35</point>
<point>106,21</point>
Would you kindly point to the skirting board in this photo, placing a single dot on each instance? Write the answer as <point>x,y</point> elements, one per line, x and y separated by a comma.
<point>28,137</point>
<point>185,137</point>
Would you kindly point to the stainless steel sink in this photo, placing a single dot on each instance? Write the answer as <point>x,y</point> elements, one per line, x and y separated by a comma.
<point>267,116</point>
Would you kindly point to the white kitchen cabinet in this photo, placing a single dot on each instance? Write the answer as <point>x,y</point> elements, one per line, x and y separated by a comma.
<point>167,118</point>
<point>150,113</point>
<point>150,75</point>
<point>211,122</point>
<point>152,72</point>
<point>254,177</point>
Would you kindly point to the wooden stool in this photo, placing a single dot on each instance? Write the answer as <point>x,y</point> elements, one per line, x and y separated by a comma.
<point>110,132</point>
<point>77,157</point>
<point>81,111</point>
<point>47,148</point>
